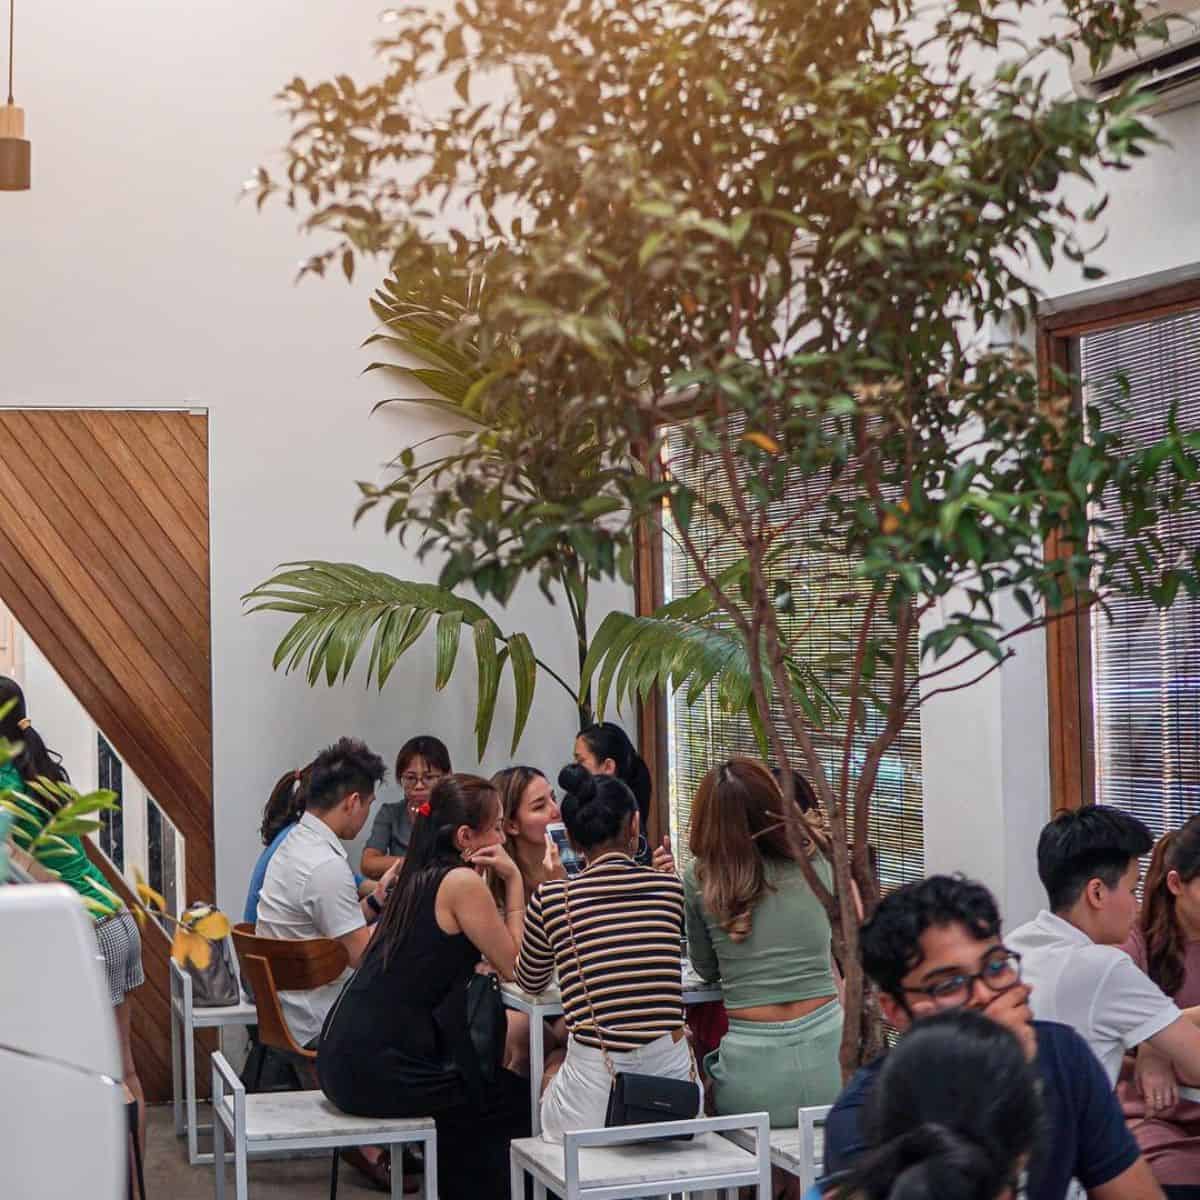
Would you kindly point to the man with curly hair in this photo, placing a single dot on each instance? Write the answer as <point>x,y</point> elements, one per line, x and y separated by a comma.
<point>935,945</point>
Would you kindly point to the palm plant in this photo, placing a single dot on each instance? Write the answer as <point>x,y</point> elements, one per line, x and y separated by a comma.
<point>429,331</point>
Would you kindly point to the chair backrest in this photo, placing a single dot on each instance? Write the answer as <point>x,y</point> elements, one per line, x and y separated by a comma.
<point>812,1120</point>
<point>272,965</point>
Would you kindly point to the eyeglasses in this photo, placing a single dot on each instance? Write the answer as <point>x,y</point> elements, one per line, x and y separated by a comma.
<point>412,781</point>
<point>1001,971</point>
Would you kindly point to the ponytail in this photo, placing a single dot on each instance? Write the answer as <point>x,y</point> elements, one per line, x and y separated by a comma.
<point>1177,851</point>
<point>34,760</point>
<point>286,803</point>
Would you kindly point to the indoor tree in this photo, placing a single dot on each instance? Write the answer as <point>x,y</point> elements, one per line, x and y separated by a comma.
<point>779,231</point>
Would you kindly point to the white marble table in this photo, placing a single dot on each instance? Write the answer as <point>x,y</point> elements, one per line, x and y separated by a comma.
<point>548,1004</point>
<point>788,1152</point>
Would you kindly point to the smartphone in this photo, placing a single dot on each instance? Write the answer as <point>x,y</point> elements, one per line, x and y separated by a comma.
<point>571,861</point>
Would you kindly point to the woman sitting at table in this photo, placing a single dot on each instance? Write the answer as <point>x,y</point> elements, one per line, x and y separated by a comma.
<point>754,923</point>
<point>614,934</point>
<point>397,1043</point>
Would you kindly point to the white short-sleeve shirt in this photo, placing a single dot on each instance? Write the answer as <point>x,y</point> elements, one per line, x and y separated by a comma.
<point>1097,990</point>
<point>309,892</point>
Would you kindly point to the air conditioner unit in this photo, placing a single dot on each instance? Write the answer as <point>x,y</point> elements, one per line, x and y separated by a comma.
<point>1170,70</point>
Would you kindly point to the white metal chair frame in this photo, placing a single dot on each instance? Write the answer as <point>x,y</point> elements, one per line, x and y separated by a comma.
<point>231,1119</point>
<point>186,1019</point>
<point>757,1173</point>
<point>810,1118</point>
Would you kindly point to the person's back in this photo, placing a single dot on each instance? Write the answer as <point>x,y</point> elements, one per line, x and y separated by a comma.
<point>614,933</point>
<point>755,922</point>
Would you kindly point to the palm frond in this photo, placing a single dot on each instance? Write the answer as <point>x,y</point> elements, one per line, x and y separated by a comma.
<point>630,656</point>
<point>340,607</point>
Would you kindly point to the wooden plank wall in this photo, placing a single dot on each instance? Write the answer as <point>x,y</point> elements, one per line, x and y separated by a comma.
<point>104,563</point>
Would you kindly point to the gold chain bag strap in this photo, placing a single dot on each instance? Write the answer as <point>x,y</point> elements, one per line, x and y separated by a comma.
<point>637,1099</point>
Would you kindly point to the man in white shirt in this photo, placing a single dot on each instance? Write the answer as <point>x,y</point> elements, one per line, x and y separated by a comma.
<point>309,889</point>
<point>1088,864</point>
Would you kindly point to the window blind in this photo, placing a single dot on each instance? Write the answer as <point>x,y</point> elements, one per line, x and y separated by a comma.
<point>700,734</point>
<point>1146,663</point>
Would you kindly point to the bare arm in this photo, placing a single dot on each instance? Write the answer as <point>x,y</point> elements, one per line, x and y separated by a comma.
<point>375,864</point>
<point>356,943</point>
<point>1180,1042</point>
<point>1137,1183</point>
<point>464,905</point>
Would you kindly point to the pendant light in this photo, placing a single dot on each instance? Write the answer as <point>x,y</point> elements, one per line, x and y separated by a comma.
<point>14,149</point>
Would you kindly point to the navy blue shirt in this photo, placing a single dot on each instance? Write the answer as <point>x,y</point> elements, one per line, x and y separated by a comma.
<point>1086,1135</point>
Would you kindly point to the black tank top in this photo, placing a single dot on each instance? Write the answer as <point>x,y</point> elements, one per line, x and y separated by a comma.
<point>383,1028</point>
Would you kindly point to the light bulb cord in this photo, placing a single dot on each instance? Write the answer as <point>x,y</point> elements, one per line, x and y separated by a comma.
<point>12,5</point>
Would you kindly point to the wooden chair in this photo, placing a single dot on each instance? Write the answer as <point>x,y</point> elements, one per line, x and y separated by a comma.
<point>274,965</point>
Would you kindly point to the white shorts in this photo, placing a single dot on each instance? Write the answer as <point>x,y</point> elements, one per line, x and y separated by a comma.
<point>577,1097</point>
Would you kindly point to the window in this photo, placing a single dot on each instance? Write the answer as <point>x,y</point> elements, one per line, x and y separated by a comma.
<point>112,825</point>
<point>700,734</point>
<point>1125,686</point>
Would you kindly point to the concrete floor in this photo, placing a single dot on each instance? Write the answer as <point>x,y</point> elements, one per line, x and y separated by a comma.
<point>168,1176</point>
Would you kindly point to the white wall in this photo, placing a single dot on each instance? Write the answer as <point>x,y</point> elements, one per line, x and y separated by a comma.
<point>133,277</point>
<point>987,787</point>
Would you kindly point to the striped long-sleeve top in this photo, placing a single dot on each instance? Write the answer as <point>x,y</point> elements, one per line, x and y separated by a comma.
<point>628,921</point>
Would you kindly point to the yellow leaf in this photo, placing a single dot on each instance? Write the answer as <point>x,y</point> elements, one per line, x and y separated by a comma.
<point>150,898</point>
<point>762,441</point>
<point>190,947</point>
<point>214,926</point>
<point>139,915</point>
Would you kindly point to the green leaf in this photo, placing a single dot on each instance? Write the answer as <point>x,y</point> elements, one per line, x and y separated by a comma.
<point>448,628</point>
<point>524,669</point>
<point>489,663</point>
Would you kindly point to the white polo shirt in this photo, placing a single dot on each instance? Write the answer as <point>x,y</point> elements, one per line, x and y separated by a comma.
<point>309,892</point>
<point>1098,990</point>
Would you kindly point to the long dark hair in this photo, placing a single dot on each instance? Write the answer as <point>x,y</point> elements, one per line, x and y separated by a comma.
<point>1178,851</point>
<point>35,760</point>
<point>456,800</point>
<point>606,740</point>
<point>285,804</point>
<point>955,1110</point>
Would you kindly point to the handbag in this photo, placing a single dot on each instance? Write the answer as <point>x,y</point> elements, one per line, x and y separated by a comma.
<point>487,1024</point>
<point>636,1098</point>
<point>215,985</point>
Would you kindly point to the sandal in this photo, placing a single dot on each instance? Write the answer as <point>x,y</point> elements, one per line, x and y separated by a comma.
<point>379,1172</point>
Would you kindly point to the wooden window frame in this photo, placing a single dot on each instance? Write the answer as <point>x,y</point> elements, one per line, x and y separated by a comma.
<point>1069,639</point>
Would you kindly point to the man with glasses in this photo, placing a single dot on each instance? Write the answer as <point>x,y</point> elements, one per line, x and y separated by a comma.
<point>935,945</point>
<point>1088,864</point>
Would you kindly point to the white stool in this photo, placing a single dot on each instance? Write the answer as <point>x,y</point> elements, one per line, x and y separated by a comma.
<point>797,1149</point>
<point>288,1121</point>
<point>186,1018</point>
<point>618,1163</point>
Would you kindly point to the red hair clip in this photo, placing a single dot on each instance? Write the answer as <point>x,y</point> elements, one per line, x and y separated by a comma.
<point>423,810</point>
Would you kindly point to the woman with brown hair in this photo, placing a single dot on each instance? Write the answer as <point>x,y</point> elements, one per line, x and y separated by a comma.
<point>754,923</point>
<point>1166,944</point>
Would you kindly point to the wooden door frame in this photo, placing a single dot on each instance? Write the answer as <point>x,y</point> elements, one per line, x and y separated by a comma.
<point>1069,638</point>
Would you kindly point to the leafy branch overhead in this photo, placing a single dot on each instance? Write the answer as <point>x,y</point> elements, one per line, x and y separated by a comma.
<point>769,248</point>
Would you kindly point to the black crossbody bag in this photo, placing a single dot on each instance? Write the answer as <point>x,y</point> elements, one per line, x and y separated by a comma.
<point>637,1099</point>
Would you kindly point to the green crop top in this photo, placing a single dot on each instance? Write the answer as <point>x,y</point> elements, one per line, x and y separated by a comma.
<point>787,955</point>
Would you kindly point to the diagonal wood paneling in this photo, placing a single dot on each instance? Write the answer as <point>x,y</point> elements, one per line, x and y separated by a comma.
<point>104,562</point>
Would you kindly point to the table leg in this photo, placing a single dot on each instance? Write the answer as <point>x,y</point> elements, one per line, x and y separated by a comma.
<point>516,1180</point>
<point>189,1079</point>
<point>430,1182</point>
<point>537,1066</point>
<point>176,1068</point>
